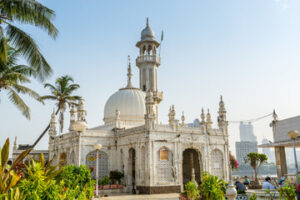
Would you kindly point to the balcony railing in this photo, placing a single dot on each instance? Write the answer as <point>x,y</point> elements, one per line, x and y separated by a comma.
<point>148,58</point>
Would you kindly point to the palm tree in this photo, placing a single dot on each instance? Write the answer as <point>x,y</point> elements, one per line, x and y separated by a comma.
<point>12,76</point>
<point>61,93</point>
<point>25,12</point>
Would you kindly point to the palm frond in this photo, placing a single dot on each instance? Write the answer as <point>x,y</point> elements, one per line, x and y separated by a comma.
<point>73,98</point>
<point>18,101</point>
<point>29,49</point>
<point>30,12</point>
<point>47,97</point>
<point>52,87</point>
<point>25,90</point>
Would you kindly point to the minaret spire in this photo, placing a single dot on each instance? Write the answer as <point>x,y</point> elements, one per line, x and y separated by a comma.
<point>129,74</point>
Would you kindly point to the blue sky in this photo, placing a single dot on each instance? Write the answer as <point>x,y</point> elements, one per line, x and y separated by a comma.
<point>248,51</point>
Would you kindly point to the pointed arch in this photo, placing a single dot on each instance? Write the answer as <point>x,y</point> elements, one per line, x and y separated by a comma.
<point>217,162</point>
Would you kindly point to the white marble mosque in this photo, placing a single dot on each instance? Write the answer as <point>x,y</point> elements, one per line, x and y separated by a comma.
<point>155,158</point>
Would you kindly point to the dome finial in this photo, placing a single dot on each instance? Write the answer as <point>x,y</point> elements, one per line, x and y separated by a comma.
<point>129,74</point>
<point>147,21</point>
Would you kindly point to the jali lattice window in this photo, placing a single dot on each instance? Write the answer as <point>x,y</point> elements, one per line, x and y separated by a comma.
<point>102,163</point>
<point>165,166</point>
<point>217,163</point>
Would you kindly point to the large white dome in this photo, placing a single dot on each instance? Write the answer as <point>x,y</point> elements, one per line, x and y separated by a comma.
<point>131,104</point>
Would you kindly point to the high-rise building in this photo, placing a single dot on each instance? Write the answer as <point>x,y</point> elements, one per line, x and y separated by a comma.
<point>247,142</point>
<point>269,152</point>
<point>246,132</point>
<point>196,123</point>
<point>242,150</point>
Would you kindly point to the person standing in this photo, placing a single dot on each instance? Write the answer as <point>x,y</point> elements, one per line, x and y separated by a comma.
<point>267,184</point>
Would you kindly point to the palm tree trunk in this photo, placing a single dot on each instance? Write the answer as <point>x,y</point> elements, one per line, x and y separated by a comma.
<point>255,174</point>
<point>44,132</point>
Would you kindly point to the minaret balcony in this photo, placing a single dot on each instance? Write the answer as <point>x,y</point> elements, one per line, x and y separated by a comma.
<point>148,59</point>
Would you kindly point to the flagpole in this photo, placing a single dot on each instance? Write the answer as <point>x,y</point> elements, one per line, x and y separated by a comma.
<point>161,39</point>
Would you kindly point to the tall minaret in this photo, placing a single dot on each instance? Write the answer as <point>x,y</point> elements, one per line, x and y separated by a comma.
<point>148,62</point>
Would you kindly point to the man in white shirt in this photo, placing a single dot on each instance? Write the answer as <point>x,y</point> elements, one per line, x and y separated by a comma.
<point>267,184</point>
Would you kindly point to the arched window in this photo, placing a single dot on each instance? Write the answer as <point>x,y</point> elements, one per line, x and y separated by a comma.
<point>216,165</point>
<point>149,50</point>
<point>102,163</point>
<point>165,165</point>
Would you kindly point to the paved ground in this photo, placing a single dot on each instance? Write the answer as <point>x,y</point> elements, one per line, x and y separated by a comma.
<point>172,196</point>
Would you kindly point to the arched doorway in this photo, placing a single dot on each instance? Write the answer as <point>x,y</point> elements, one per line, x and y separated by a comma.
<point>131,170</point>
<point>191,166</point>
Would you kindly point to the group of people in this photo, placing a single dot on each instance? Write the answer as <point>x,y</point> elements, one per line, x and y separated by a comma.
<point>267,184</point>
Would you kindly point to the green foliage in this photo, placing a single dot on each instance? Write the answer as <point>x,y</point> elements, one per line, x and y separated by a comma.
<point>13,194</point>
<point>8,177</point>
<point>77,182</point>
<point>115,176</point>
<point>192,191</point>
<point>39,182</point>
<point>212,188</point>
<point>287,192</point>
<point>256,160</point>
<point>272,194</point>
<point>104,181</point>
<point>253,197</point>
<point>42,182</point>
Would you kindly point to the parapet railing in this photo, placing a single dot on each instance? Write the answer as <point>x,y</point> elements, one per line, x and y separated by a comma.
<point>148,58</point>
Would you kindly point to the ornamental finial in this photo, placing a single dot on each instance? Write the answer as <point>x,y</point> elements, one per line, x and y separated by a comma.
<point>147,21</point>
<point>202,116</point>
<point>129,74</point>
<point>182,119</point>
<point>275,117</point>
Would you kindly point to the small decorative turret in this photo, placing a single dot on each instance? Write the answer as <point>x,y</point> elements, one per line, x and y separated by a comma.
<point>202,117</point>
<point>182,119</point>
<point>80,125</point>
<point>52,129</point>
<point>222,123</point>
<point>172,121</point>
<point>208,120</point>
<point>150,113</point>
<point>72,117</point>
<point>171,115</point>
<point>81,112</point>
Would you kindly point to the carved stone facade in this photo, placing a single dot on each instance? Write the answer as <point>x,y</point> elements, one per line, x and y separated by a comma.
<point>155,158</point>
